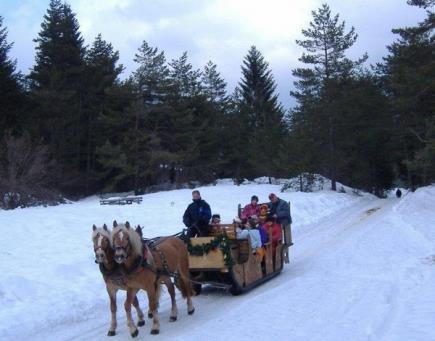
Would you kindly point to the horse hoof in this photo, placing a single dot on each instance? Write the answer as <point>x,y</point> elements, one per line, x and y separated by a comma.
<point>111,333</point>
<point>141,323</point>
<point>135,333</point>
<point>150,315</point>
<point>154,331</point>
<point>172,318</point>
<point>191,312</point>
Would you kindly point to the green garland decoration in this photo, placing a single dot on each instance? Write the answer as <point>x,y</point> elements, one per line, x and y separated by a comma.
<point>222,242</point>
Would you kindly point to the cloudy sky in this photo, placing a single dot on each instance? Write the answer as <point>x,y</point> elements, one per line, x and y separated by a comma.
<point>217,30</point>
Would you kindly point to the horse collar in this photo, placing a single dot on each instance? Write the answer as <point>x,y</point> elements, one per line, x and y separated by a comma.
<point>137,263</point>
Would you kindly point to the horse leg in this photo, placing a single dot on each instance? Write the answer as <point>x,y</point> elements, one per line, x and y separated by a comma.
<point>171,291</point>
<point>131,294</point>
<point>140,315</point>
<point>153,305</point>
<point>190,307</point>
<point>111,290</point>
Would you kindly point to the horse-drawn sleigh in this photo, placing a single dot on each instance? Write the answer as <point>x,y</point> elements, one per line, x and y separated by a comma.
<point>130,263</point>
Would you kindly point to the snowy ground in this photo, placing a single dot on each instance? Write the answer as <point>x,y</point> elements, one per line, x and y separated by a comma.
<point>361,269</point>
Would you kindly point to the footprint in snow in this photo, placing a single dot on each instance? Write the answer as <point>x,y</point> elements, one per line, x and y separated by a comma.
<point>372,210</point>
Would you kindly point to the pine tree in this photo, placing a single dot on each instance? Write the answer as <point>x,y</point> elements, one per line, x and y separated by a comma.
<point>151,76</point>
<point>213,85</point>
<point>184,117</point>
<point>57,89</point>
<point>100,101</point>
<point>212,139</point>
<point>114,159</point>
<point>261,114</point>
<point>409,72</point>
<point>151,82</point>
<point>185,81</point>
<point>365,130</point>
<point>325,44</point>
<point>236,138</point>
<point>11,92</point>
<point>116,172</point>
<point>422,3</point>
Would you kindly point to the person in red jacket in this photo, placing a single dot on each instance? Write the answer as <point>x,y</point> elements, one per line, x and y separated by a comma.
<point>271,226</point>
<point>252,209</point>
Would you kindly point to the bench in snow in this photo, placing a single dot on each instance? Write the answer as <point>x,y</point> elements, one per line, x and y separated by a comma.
<point>120,200</point>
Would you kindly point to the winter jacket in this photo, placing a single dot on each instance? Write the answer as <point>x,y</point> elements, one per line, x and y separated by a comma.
<point>250,210</point>
<point>282,209</point>
<point>264,235</point>
<point>276,232</point>
<point>197,213</point>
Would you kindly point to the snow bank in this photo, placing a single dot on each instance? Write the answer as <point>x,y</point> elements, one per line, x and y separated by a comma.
<point>418,210</point>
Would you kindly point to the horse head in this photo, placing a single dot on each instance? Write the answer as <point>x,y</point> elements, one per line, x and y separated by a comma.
<point>101,240</point>
<point>126,242</point>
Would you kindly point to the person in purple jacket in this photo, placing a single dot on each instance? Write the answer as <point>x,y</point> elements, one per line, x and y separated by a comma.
<point>254,224</point>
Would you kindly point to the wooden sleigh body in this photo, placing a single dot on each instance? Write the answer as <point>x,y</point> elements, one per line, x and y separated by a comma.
<point>233,265</point>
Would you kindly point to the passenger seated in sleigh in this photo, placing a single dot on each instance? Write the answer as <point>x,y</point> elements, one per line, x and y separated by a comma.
<point>273,229</point>
<point>216,228</point>
<point>215,224</point>
<point>249,228</point>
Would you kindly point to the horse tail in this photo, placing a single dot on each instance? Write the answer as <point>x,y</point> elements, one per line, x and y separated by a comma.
<point>182,286</point>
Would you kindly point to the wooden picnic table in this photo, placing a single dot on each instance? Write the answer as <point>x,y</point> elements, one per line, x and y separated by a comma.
<point>121,200</point>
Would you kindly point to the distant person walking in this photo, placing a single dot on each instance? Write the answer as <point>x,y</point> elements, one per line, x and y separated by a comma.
<point>197,216</point>
<point>398,193</point>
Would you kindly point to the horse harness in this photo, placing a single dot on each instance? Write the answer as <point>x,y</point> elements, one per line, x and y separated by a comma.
<point>141,261</point>
<point>116,275</point>
<point>153,246</point>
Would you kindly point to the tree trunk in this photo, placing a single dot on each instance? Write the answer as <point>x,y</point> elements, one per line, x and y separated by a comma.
<point>332,166</point>
<point>136,151</point>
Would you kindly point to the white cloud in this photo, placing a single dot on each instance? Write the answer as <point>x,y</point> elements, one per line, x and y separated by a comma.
<point>220,30</point>
<point>269,20</point>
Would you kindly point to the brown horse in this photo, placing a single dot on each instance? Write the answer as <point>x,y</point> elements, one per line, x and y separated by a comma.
<point>104,256</point>
<point>168,258</point>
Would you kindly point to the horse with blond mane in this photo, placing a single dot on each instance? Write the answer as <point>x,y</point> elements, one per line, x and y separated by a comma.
<point>145,267</point>
<point>113,278</point>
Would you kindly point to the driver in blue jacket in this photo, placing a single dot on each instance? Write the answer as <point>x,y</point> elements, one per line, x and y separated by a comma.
<point>197,216</point>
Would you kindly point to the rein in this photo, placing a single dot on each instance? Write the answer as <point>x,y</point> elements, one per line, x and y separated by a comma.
<point>141,263</point>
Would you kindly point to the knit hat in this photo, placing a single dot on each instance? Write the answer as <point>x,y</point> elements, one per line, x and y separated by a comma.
<point>272,195</point>
<point>254,197</point>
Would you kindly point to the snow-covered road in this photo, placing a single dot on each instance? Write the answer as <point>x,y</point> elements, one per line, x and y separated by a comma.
<point>361,268</point>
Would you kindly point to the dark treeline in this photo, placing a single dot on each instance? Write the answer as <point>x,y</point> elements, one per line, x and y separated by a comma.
<point>72,126</point>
